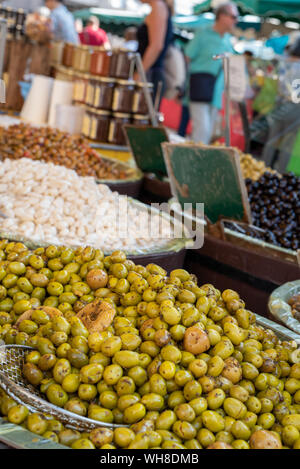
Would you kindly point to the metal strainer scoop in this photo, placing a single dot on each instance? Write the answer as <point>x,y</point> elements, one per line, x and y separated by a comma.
<point>12,358</point>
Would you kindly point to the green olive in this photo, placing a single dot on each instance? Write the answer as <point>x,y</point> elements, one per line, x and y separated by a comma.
<point>17,268</point>
<point>153,401</point>
<point>127,400</point>
<point>62,352</point>
<point>47,361</point>
<point>39,280</point>
<point>55,288</point>
<point>71,383</point>
<point>5,318</point>
<point>24,285</point>
<point>49,435</point>
<point>61,369</point>
<point>79,343</point>
<point>51,301</point>
<point>58,338</point>
<point>181,274</point>
<point>111,346</point>
<point>290,434</point>
<point>215,398</point>
<point>10,336</point>
<point>62,276</point>
<point>76,406</point>
<point>234,408</point>
<point>130,341</point>
<point>125,385</point>
<point>185,412</point>
<point>87,392</point>
<point>213,421</point>
<point>171,353</point>
<point>108,399</point>
<point>37,423</point>
<point>67,437</point>
<point>82,443</point>
<point>36,262</point>
<point>33,357</point>
<point>10,280</point>
<point>44,346</point>
<point>91,374</point>
<point>205,437</point>
<point>32,373</point>
<point>266,420</point>
<point>39,293</point>
<point>112,374</point>
<point>123,437</point>
<point>6,404</point>
<point>77,327</point>
<point>17,414</point>
<point>55,264</point>
<point>22,306</point>
<point>96,412</point>
<point>28,326</point>
<point>6,305</point>
<point>134,413</point>
<point>21,338</point>
<point>175,398</point>
<point>127,358</point>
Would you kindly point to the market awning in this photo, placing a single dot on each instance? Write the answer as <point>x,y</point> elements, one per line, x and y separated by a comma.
<point>129,18</point>
<point>111,16</point>
<point>270,7</point>
<point>284,9</point>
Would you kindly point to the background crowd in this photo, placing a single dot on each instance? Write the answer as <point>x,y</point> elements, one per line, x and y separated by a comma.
<point>201,90</point>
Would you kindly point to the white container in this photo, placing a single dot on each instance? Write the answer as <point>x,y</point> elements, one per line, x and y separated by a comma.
<point>69,118</point>
<point>36,107</point>
<point>62,93</point>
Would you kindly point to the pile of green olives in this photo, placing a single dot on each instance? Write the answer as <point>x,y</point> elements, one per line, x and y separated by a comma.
<point>183,365</point>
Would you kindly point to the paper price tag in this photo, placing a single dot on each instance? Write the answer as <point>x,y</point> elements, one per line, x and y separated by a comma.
<point>2,92</point>
<point>238,77</point>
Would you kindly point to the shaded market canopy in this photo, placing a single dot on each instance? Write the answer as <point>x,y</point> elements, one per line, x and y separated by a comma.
<point>282,9</point>
<point>120,19</point>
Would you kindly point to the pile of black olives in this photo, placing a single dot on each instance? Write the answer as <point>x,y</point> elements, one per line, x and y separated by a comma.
<point>275,207</point>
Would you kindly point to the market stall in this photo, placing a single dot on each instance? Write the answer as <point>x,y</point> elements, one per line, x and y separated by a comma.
<point>74,152</point>
<point>257,256</point>
<point>123,326</point>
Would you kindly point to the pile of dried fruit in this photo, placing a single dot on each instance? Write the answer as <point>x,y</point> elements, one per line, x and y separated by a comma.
<point>52,145</point>
<point>185,365</point>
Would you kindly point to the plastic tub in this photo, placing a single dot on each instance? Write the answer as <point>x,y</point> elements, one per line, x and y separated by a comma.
<point>279,307</point>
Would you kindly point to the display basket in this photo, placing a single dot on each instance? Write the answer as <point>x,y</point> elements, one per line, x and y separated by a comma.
<point>237,238</point>
<point>170,253</point>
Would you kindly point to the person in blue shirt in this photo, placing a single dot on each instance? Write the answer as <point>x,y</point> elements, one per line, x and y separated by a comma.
<point>63,25</point>
<point>210,40</point>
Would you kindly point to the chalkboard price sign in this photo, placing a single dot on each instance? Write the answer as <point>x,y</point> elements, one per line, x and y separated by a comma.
<point>209,175</point>
<point>145,144</point>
